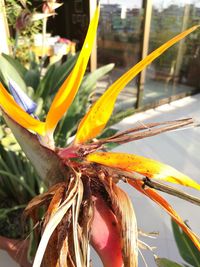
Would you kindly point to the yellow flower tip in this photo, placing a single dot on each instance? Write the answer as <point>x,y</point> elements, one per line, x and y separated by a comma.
<point>16,113</point>
<point>96,119</point>
<point>182,180</point>
<point>144,166</point>
<point>69,88</point>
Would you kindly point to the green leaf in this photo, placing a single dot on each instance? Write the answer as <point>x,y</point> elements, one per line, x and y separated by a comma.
<point>90,80</point>
<point>55,76</point>
<point>186,248</point>
<point>16,64</point>
<point>163,262</point>
<point>62,72</point>
<point>32,78</point>
<point>8,71</point>
<point>45,83</point>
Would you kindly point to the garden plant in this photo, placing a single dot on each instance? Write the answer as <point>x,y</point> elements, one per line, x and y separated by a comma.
<point>83,204</point>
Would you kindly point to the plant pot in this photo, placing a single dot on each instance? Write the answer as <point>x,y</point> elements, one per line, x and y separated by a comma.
<point>16,249</point>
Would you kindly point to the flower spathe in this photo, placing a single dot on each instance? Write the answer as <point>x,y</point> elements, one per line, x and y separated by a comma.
<point>89,198</point>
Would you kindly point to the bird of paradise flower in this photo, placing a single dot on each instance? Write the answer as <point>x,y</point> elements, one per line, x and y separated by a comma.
<point>84,205</point>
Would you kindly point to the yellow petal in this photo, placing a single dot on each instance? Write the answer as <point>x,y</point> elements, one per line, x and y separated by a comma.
<point>95,120</point>
<point>145,166</point>
<point>168,208</point>
<point>15,112</point>
<point>69,88</point>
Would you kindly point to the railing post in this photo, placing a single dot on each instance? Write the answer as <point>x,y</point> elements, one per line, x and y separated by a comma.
<point>93,58</point>
<point>3,29</point>
<point>147,5</point>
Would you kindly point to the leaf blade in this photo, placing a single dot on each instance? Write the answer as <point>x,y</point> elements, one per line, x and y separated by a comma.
<point>186,248</point>
<point>162,262</point>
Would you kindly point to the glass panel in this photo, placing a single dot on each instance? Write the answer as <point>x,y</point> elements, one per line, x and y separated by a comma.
<point>119,38</point>
<point>177,71</point>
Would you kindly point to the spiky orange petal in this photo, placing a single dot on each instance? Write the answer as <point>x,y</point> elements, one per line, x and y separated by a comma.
<point>69,88</point>
<point>14,111</point>
<point>168,208</point>
<point>97,117</point>
<point>145,166</point>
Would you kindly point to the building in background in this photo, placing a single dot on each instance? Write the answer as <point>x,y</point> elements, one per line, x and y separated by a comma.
<point>128,31</point>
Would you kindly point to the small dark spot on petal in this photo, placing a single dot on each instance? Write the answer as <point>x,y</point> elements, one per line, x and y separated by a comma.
<point>114,223</point>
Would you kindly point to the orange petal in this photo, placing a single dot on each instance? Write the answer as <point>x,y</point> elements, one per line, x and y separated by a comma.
<point>95,120</point>
<point>10,107</point>
<point>168,208</point>
<point>69,88</point>
<point>145,166</point>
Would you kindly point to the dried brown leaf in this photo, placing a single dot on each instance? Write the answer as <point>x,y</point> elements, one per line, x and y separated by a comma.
<point>125,215</point>
<point>53,222</point>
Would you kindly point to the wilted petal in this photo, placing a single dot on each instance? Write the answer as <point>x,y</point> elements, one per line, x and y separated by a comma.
<point>10,107</point>
<point>56,218</point>
<point>21,98</point>
<point>128,230</point>
<point>69,88</point>
<point>63,242</point>
<point>145,166</point>
<point>127,224</point>
<point>95,120</point>
<point>41,199</point>
<point>168,208</point>
<point>51,255</point>
<point>55,202</point>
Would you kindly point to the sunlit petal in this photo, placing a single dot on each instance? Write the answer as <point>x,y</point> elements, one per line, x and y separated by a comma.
<point>14,111</point>
<point>95,120</point>
<point>68,90</point>
<point>168,208</point>
<point>145,166</point>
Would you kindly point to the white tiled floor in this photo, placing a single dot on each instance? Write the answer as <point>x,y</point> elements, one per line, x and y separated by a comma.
<point>180,149</point>
<point>6,261</point>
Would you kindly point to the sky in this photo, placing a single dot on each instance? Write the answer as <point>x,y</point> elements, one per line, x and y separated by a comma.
<point>160,4</point>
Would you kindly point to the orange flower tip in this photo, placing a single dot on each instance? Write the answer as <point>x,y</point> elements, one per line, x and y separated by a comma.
<point>70,86</point>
